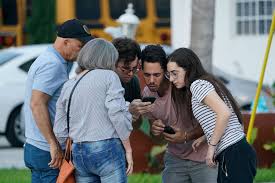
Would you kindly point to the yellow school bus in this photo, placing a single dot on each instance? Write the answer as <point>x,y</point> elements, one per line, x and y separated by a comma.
<point>154,16</point>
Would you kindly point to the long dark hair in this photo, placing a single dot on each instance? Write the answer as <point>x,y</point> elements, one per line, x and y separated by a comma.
<point>191,63</point>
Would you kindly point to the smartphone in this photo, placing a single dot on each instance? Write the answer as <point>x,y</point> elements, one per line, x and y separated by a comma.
<point>169,130</point>
<point>149,99</point>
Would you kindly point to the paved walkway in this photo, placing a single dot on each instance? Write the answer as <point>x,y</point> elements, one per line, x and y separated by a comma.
<point>10,157</point>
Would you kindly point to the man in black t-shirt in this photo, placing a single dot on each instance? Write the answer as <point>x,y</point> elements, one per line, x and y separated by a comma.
<point>126,68</point>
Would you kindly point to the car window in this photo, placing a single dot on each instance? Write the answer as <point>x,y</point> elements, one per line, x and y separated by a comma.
<point>26,66</point>
<point>7,56</point>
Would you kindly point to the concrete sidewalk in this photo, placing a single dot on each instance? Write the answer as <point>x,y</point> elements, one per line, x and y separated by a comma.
<point>10,157</point>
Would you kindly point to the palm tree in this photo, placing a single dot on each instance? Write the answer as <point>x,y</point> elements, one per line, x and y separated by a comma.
<point>202,30</point>
<point>40,25</point>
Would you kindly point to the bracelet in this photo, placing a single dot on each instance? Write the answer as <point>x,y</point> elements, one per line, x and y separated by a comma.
<point>185,137</point>
<point>214,145</point>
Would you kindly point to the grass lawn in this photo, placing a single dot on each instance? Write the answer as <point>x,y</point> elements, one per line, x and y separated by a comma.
<point>23,176</point>
<point>265,175</point>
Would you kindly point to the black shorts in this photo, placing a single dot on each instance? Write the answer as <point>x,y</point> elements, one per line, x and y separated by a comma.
<point>237,163</point>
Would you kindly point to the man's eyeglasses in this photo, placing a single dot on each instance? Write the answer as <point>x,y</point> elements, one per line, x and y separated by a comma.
<point>172,74</point>
<point>128,70</point>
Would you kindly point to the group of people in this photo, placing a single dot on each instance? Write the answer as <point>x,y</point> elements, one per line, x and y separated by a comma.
<point>103,103</point>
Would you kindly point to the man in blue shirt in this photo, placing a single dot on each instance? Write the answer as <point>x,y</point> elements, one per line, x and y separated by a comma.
<point>42,152</point>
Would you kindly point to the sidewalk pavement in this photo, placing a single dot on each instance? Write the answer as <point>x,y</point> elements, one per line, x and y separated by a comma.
<point>10,157</point>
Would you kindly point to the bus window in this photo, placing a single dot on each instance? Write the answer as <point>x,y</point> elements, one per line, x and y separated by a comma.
<point>163,8</point>
<point>118,7</point>
<point>29,8</point>
<point>9,12</point>
<point>85,10</point>
<point>163,13</point>
<point>89,13</point>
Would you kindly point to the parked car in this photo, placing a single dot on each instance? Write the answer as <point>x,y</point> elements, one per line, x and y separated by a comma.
<point>15,63</point>
<point>244,90</point>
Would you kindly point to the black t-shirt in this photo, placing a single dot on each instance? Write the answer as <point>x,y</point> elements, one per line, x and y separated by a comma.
<point>132,89</point>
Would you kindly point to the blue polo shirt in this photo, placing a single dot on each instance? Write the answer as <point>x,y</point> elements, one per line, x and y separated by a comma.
<point>47,74</point>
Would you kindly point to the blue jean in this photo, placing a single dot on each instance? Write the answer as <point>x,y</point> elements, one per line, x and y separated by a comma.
<point>101,161</point>
<point>37,161</point>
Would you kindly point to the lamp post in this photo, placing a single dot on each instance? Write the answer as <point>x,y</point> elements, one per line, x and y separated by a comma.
<point>129,22</point>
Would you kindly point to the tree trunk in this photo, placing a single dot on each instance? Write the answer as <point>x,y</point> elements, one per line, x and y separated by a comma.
<point>202,30</point>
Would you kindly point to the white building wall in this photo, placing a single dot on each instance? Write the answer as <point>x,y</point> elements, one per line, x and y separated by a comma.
<point>241,56</point>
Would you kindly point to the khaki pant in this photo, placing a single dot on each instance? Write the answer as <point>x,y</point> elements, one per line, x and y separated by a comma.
<point>186,171</point>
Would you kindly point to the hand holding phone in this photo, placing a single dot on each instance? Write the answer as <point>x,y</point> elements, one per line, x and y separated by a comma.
<point>149,99</point>
<point>169,130</point>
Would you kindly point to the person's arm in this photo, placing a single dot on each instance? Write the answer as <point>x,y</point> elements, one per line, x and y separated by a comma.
<point>195,133</point>
<point>129,155</point>
<point>196,143</point>
<point>116,107</point>
<point>120,116</point>
<point>213,101</point>
<point>156,131</point>
<point>60,128</point>
<point>39,107</point>
<point>182,136</point>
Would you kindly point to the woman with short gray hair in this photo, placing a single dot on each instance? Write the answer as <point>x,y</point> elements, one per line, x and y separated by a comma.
<point>98,54</point>
<point>99,121</point>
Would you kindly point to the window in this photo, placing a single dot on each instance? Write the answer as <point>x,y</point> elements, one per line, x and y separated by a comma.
<point>118,7</point>
<point>6,56</point>
<point>163,8</point>
<point>163,13</point>
<point>29,8</point>
<point>9,12</point>
<point>26,66</point>
<point>253,16</point>
<point>87,10</point>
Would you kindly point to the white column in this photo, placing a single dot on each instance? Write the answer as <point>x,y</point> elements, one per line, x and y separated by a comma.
<point>181,18</point>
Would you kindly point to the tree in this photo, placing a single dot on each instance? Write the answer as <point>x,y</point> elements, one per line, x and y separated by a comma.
<point>40,25</point>
<point>202,30</point>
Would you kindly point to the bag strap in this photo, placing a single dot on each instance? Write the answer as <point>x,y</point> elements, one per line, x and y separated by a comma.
<point>69,103</point>
<point>68,153</point>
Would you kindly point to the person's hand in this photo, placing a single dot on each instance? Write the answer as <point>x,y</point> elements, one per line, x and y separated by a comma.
<point>56,155</point>
<point>137,108</point>
<point>135,117</point>
<point>157,127</point>
<point>198,142</point>
<point>130,163</point>
<point>178,137</point>
<point>210,156</point>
